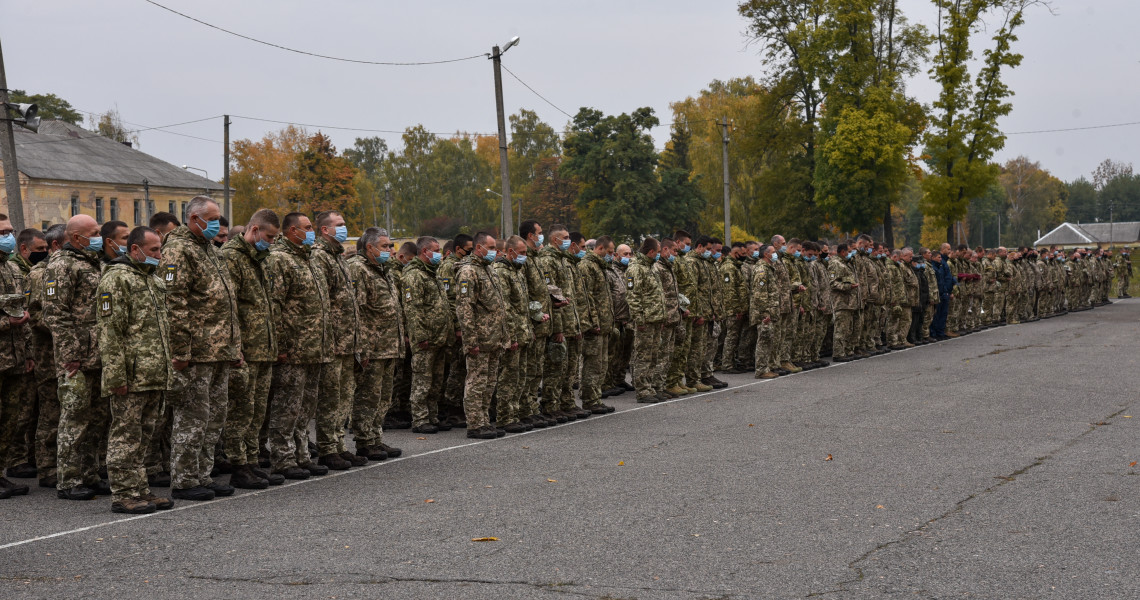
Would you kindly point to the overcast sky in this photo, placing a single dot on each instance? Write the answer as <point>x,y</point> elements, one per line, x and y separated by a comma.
<point>1081,68</point>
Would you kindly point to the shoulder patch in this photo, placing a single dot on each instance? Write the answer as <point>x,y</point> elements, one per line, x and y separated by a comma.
<point>49,288</point>
<point>170,270</point>
<point>726,278</point>
<point>105,304</point>
<point>629,281</point>
<point>464,286</point>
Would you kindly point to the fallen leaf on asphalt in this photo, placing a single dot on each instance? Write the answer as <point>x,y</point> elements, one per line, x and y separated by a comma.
<point>828,457</point>
<point>751,425</point>
<point>621,463</point>
<point>526,447</point>
<point>1127,416</point>
<point>485,539</point>
<point>1132,464</point>
<point>552,480</point>
<point>879,506</point>
<point>428,501</point>
<point>421,438</point>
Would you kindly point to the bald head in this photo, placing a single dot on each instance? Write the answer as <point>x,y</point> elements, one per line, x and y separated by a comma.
<point>81,229</point>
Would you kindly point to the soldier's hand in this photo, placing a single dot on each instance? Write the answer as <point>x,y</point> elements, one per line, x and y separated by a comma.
<point>739,316</point>
<point>72,368</point>
<point>578,337</point>
<point>119,391</point>
<point>596,330</point>
<point>237,364</point>
<point>364,363</point>
<point>545,317</point>
<point>854,285</point>
<point>180,364</point>
<point>282,357</point>
<point>767,320</point>
<point>801,288</point>
<point>14,321</point>
<point>473,351</point>
<point>699,321</point>
<point>458,334</point>
<point>801,310</point>
<point>29,366</point>
<point>557,338</point>
<point>422,345</point>
<point>514,345</point>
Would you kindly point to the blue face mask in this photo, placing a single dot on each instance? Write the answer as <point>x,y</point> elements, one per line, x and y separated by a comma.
<point>810,259</point>
<point>717,256</point>
<point>491,254</point>
<point>565,244</point>
<point>7,243</point>
<point>657,258</point>
<point>341,235</point>
<point>384,257</point>
<point>609,258</point>
<point>827,259</point>
<point>783,249</point>
<point>436,257</point>
<point>122,250</point>
<point>261,245</point>
<point>310,238</point>
<point>685,250</point>
<point>850,255</point>
<point>212,228</point>
<point>624,260</point>
<point>868,250</point>
<point>541,239</point>
<point>673,258</point>
<point>796,254</point>
<point>581,254</point>
<point>920,266</point>
<point>706,254</point>
<point>520,260</point>
<point>150,260</point>
<point>94,244</point>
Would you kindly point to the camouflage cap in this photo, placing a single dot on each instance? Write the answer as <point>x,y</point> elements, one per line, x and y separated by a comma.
<point>557,298</point>
<point>13,305</point>
<point>535,309</point>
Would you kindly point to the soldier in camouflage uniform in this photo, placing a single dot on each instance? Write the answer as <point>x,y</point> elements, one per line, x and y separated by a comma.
<point>735,301</point>
<point>299,301</point>
<point>599,324</point>
<point>765,308</point>
<point>480,313</point>
<point>746,348</point>
<point>512,411</point>
<point>400,415</point>
<point>13,361</point>
<point>338,380</point>
<point>451,405</point>
<point>43,352</point>
<point>685,277</point>
<point>691,274</point>
<point>820,302</point>
<point>1123,270</point>
<point>663,267</point>
<point>135,350</point>
<point>245,256</point>
<point>846,300</point>
<point>382,335</point>
<point>621,339</point>
<point>539,308</point>
<point>788,288</point>
<point>70,282</point>
<point>205,342</point>
<point>22,457</point>
<point>646,300</point>
<point>562,348</point>
<point>431,331</point>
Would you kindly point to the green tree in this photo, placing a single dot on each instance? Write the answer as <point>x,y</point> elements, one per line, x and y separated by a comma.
<point>1119,200</point>
<point>550,197</point>
<point>1036,200</point>
<point>368,155</point>
<point>1081,203</point>
<point>110,125</point>
<point>964,135</point>
<point>325,182</point>
<point>50,106</point>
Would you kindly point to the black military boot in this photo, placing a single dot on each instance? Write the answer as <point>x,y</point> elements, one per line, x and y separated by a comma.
<point>244,478</point>
<point>335,462</point>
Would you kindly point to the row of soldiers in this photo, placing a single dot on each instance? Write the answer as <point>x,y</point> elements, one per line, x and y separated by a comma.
<point>169,354</point>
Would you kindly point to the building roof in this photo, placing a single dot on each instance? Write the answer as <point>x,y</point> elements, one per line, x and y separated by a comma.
<point>66,152</point>
<point>1074,234</point>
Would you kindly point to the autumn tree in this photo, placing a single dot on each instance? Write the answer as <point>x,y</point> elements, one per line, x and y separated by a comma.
<point>325,182</point>
<point>110,125</point>
<point>50,106</point>
<point>1080,205</point>
<point>551,196</point>
<point>262,172</point>
<point>1036,200</point>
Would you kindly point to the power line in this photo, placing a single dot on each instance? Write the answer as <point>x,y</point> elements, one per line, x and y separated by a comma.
<point>1074,128</point>
<point>159,128</point>
<point>313,54</point>
<point>536,93</point>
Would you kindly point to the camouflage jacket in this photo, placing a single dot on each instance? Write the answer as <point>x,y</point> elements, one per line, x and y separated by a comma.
<point>931,284</point>
<point>203,309</point>
<point>344,320</point>
<point>13,339</point>
<point>868,277</point>
<point>644,293</point>
<point>910,284</point>
<point>559,272</point>
<point>783,287</point>
<point>733,291</point>
<point>592,271</point>
<point>480,307</point>
<point>246,268</point>
<point>798,274</point>
<point>134,340</point>
<point>844,294</point>
<point>446,271</point>
<point>40,347</point>
<point>766,300</point>
<point>512,283</point>
<point>708,286</point>
<point>382,327</point>
<point>821,285</point>
<point>688,272</point>
<point>428,315</point>
<point>747,268</point>
<point>70,282</point>
<point>615,277</point>
<point>537,291</point>
<point>299,302</point>
<point>664,271</point>
<point>1123,265</point>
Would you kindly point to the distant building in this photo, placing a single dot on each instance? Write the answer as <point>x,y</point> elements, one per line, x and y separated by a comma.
<point>66,170</point>
<point>1091,235</point>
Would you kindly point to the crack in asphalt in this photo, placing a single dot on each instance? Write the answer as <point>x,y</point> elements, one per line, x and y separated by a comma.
<point>959,506</point>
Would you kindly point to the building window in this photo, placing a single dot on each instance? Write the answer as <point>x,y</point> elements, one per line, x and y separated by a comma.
<point>74,203</point>
<point>114,209</point>
<point>184,205</point>
<point>149,209</point>
<point>172,207</point>
<point>98,210</point>
<point>138,213</point>
<point>44,225</point>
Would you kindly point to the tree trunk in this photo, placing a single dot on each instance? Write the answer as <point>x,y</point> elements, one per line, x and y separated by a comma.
<point>888,229</point>
<point>950,234</point>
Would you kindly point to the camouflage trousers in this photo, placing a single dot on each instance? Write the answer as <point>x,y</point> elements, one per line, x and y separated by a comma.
<point>84,417</point>
<point>1122,283</point>
<point>510,404</point>
<point>664,355</point>
<point>427,384</point>
<point>47,425</point>
<point>456,383</point>
<point>482,370</point>
<point>712,345</point>
<point>532,363</point>
<point>292,393</point>
<point>402,386</point>
<point>199,403</point>
<point>23,438</point>
<point>818,335</point>
<point>573,359</point>
<point>620,344</point>
<point>158,455</point>
<point>133,416</point>
<point>784,327</point>
<point>733,333</point>
<point>249,396</point>
<point>899,325</point>
<point>868,336</point>
<point>374,385</point>
<point>698,342</point>
<point>553,374</point>
<point>334,403</point>
<point>645,356</point>
<point>989,308</point>
<point>767,355</point>
<point>927,320</point>
<point>844,337</point>
<point>13,405</point>
<point>746,348</point>
<point>595,350</point>
<point>805,334</point>
<point>679,361</point>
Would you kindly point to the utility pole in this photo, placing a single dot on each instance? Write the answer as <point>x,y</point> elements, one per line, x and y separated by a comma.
<point>1111,223</point>
<point>375,223</point>
<point>388,208</point>
<point>727,211</point>
<point>504,171</point>
<point>8,149</point>
<point>999,228</point>
<point>226,173</point>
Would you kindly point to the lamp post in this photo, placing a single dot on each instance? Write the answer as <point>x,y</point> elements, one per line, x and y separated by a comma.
<point>496,58</point>
<point>8,146</point>
<point>207,175</point>
<point>507,233</point>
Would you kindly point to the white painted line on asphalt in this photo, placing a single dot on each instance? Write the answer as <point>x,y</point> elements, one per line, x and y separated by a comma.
<point>288,485</point>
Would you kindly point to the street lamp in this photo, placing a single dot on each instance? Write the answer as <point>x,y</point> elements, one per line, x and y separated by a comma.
<point>496,58</point>
<point>188,167</point>
<point>507,233</point>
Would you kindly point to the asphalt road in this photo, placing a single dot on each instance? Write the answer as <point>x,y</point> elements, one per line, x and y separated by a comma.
<point>998,465</point>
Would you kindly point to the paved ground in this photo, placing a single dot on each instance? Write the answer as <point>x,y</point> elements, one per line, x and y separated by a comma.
<point>998,465</point>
